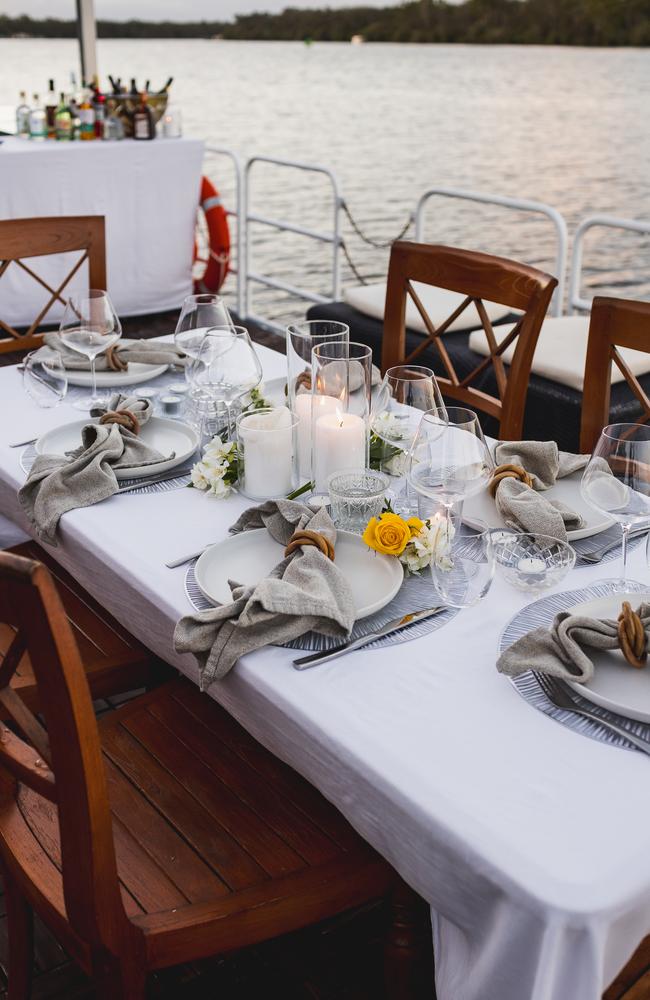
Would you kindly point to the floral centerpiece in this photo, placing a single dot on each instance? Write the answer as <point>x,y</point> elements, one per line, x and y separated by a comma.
<point>416,543</point>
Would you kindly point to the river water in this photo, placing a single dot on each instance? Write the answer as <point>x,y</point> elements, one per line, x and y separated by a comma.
<point>567,126</point>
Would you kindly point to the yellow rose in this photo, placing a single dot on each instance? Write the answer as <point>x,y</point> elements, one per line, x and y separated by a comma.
<point>389,534</point>
<point>415,526</point>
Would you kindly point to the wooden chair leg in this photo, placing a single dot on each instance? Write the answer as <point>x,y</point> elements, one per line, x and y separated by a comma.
<point>115,980</point>
<point>20,928</point>
<point>409,955</point>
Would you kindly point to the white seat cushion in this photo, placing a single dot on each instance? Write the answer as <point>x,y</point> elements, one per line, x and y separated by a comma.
<point>438,302</point>
<point>561,351</point>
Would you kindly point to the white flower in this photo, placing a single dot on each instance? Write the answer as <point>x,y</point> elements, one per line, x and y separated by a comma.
<point>390,427</point>
<point>397,465</point>
<point>199,480</point>
<point>219,489</point>
<point>432,544</point>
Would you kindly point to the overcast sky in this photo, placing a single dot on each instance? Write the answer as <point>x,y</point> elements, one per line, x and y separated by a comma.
<point>175,10</point>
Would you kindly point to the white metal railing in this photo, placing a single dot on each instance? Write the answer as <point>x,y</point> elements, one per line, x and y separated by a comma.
<point>240,214</point>
<point>333,237</point>
<point>576,302</point>
<point>520,204</point>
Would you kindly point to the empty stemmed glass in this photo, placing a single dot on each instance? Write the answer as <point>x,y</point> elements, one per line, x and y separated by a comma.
<point>617,480</point>
<point>449,459</point>
<point>199,313</point>
<point>225,368</point>
<point>44,377</point>
<point>90,326</point>
<point>404,394</point>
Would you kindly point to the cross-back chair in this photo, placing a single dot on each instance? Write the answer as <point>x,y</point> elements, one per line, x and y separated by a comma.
<point>478,277</point>
<point>161,833</point>
<point>614,324</point>
<point>22,239</point>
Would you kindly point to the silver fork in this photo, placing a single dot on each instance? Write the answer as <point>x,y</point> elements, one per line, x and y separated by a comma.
<point>557,693</point>
<point>597,554</point>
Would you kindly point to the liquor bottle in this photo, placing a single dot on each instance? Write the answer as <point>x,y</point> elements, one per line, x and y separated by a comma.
<point>63,121</point>
<point>143,124</point>
<point>113,127</point>
<point>22,116</point>
<point>86,118</point>
<point>37,121</point>
<point>51,105</point>
<point>99,106</point>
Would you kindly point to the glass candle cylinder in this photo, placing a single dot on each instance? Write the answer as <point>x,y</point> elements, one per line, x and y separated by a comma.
<point>301,340</point>
<point>341,379</point>
<point>267,452</point>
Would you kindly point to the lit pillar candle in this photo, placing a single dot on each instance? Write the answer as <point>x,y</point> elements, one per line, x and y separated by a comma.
<point>339,444</point>
<point>266,439</point>
<point>303,405</point>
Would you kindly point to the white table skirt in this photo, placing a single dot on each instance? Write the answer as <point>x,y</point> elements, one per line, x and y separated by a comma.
<point>148,193</point>
<point>529,840</point>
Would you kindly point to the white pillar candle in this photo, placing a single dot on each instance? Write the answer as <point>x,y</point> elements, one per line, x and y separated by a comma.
<point>339,444</point>
<point>303,406</point>
<point>267,444</point>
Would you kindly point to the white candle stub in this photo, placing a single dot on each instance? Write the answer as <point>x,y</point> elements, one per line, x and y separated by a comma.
<point>267,440</point>
<point>339,444</point>
<point>531,566</point>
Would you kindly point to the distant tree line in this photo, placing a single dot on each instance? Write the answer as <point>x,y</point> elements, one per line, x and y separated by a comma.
<point>527,22</point>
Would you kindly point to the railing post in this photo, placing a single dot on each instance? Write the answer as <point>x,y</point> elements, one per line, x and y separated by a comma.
<point>241,223</point>
<point>576,302</point>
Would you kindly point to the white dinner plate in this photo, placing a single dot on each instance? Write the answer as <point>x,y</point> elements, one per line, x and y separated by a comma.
<point>616,685</point>
<point>250,556</point>
<point>567,490</point>
<point>165,435</point>
<point>137,372</point>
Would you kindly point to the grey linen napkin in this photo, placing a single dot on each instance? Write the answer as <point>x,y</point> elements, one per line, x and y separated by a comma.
<point>558,650</point>
<point>521,507</point>
<point>304,591</point>
<point>59,483</point>
<point>148,352</point>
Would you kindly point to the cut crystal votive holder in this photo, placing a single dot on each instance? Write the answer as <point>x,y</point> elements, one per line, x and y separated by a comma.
<point>355,497</point>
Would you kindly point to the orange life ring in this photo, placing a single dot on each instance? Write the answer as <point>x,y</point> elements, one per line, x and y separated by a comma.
<point>218,259</point>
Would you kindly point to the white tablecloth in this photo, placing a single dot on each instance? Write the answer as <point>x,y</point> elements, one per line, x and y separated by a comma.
<point>529,840</point>
<point>148,193</point>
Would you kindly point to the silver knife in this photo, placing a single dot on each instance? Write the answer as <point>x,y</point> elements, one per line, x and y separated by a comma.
<point>163,477</point>
<point>346,647</point>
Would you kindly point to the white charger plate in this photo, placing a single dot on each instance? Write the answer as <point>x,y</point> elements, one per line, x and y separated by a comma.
<point>165,435</point>
<point>250,556</point>
<point>615,685</point>
<point>567,490</point>
<point>137,372</point>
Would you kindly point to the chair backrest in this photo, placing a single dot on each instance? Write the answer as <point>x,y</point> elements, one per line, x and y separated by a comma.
<point>476,276</point>
<point>62,762</point>
<point>21,239</point>
<point>614,323</point>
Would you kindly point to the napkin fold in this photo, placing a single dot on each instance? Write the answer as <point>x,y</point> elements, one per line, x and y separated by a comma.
<point>305,591</point>
<point>521,506</point>
<point>558,650</point>
<point>59,483</point>
<point>148,352</point>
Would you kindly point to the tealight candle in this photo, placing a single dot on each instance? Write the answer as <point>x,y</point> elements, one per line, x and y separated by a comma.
<point>339,444</point>
<point>266,450</point>
<point>171,405</point>
<point>531,566</point>
<point>305,404</point>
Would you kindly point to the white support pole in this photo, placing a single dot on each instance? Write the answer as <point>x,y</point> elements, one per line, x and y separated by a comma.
<point>87,32</point>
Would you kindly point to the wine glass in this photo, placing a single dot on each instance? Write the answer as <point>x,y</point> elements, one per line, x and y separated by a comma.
<point>225,368</point>
<point>404,394</point>
<point>462,573</point>
<point>44,377</point>
<point>90,326</point>
<point>449,459</point>
<point>199,313</point>
<point>617,480</point>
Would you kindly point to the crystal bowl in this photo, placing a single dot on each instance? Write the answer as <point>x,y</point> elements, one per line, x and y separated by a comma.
<point>532,562</point>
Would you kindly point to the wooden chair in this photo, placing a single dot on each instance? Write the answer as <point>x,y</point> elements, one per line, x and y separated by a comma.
<point>614,323</point>
<point>162,833</point>
<point>113,660</point>
<point>476,276</point>
<point>22,239</point>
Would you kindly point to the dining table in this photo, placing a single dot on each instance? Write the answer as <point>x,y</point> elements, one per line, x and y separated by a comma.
<point>529,840</point>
